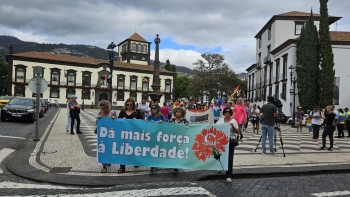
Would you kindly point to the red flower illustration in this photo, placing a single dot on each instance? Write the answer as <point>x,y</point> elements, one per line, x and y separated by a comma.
<point>206,140</point>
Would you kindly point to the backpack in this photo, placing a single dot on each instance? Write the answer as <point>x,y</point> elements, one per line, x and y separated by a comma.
<point>318,111</point>
<point>335,122</point>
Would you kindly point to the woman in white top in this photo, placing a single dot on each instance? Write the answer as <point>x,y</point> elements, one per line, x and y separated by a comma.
<point>233,139</point>
<point>144,108</point>
<point>255,118</point>
<point>69,119</point>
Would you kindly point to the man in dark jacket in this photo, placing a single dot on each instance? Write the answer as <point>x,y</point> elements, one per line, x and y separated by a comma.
<point>74,114</point>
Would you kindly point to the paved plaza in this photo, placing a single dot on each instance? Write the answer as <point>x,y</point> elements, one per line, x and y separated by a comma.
<point>71,159</point>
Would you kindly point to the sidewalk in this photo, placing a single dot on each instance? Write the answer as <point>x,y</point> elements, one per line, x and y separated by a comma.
<point>60,158</point>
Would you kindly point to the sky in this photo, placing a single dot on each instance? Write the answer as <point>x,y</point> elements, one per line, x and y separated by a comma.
<point>186,28</point>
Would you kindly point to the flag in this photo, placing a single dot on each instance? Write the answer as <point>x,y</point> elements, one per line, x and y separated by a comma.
<point>106,77</point>
<point>65,73</point>
<point>234,93</point>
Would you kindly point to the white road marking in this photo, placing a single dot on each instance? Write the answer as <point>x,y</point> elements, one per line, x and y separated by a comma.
<point>4,136</point>
<point>335,193</point>
<point>3,154</point>
<point>178,191</point>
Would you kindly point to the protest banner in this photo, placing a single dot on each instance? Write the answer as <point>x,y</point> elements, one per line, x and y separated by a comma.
<point>165,145</point>
<point>200,116</point>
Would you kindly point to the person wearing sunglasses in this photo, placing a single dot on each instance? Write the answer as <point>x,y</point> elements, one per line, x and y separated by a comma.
<point>233,139</point>
<point>179,117</point>
<point>105,111</point>
<point>155,115</point>
<point>129,111</point>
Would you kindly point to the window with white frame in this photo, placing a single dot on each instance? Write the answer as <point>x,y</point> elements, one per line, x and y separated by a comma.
<point>133,47</point>
<point>20,75</point>
<point>71,79</point>
<point>55,76</point>
<point>133,83</point>
<point>54,93</point>
<point>120,84</point>
<point>298,27</point>
<point>144,49</point>
<point>167,85</point>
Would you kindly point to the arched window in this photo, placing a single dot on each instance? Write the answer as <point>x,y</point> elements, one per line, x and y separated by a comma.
<point>144,49</point>
<point>139,48</point>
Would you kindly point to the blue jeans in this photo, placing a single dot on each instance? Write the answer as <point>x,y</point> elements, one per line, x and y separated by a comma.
<point>68,123</point>
<point>267,130</point>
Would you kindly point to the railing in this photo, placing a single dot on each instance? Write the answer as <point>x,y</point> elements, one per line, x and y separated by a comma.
<point>267,59</point>
<point>258,65</point>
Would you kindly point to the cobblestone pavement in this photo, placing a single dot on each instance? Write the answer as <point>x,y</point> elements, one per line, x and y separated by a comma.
<point>70,160</point>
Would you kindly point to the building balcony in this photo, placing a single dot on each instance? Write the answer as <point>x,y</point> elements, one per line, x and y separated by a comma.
<point>267,59</point>
<point>258,65</point>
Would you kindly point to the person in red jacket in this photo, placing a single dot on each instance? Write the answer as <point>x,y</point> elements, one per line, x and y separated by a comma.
<point>165,111</point>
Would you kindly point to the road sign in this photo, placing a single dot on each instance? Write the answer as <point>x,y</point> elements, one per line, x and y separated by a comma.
<point>42,85</point>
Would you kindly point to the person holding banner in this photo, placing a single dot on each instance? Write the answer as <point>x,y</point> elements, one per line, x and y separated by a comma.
<point>144,108</point>
<point>105,111</point>
<point>233,139</point>
<point>240,114</point>
<point>155,115</point>
<point>179,117</point>
<point>129,111</point>
<point>217,111</point>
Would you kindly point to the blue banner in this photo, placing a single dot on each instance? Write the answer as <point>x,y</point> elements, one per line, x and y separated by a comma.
<point>165,145</point>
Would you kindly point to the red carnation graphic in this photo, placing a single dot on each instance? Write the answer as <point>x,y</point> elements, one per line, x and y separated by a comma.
<point>210,143</point>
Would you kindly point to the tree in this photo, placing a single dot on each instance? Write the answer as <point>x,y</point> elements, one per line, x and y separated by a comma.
<point>308,56</point>
<point>182,82</point>
<point>212,76</point>
<point>169,67</point>
<point>327,72</point>
<point>3,67</point>
<point>3,72</point>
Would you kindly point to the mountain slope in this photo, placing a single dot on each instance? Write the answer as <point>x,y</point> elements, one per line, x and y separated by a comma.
<point>20,46</point>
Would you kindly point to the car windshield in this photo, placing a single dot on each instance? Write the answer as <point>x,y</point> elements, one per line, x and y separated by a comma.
<point>5,98</point>
<point>18,101</point>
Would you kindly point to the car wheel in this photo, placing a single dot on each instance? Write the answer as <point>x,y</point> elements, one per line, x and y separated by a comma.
<point>32,119</point>
<point>290,122</point>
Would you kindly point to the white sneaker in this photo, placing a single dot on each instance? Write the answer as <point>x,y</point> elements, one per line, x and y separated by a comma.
<point>229,180</point>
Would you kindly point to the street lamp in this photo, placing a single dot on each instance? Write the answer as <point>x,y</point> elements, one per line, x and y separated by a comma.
<point>293,81</point>
<point>110,49</point>
<point>3,84</point>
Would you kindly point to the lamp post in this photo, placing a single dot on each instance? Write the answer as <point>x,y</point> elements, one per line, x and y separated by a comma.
<point>2,84</point>
<point>155,95</point>
<point>110,49</point>
<point>293,81</point>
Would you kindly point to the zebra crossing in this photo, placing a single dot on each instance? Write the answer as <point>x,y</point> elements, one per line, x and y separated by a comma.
<point>293,141</point>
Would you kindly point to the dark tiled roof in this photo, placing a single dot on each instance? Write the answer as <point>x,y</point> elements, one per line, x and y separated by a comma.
<point>137,37</point>
<point>83,60</point>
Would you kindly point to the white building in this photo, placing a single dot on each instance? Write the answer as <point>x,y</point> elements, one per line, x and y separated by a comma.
<point>87,77</point>
<point>276,52</point>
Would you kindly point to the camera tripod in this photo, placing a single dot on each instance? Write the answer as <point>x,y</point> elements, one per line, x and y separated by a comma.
<point>277,128</point>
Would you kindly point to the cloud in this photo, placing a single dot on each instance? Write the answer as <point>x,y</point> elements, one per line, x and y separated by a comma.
<point>205,24</point>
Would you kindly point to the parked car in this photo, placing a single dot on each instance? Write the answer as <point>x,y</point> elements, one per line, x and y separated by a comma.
<point>44,104</point>
<point>19,108</point>
<point>4,100</point>
<point>41,109</point>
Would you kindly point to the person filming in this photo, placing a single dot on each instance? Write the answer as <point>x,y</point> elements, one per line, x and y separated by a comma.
<point>269,113</point>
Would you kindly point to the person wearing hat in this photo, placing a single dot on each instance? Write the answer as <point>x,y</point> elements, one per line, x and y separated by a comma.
<point>74,114</point>
<point>299,118</point>
<point>178,117</point>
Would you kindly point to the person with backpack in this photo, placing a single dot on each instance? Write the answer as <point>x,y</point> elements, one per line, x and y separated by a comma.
<point>316,121</point>
<point>329,118</point>
<point>340,126</point>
